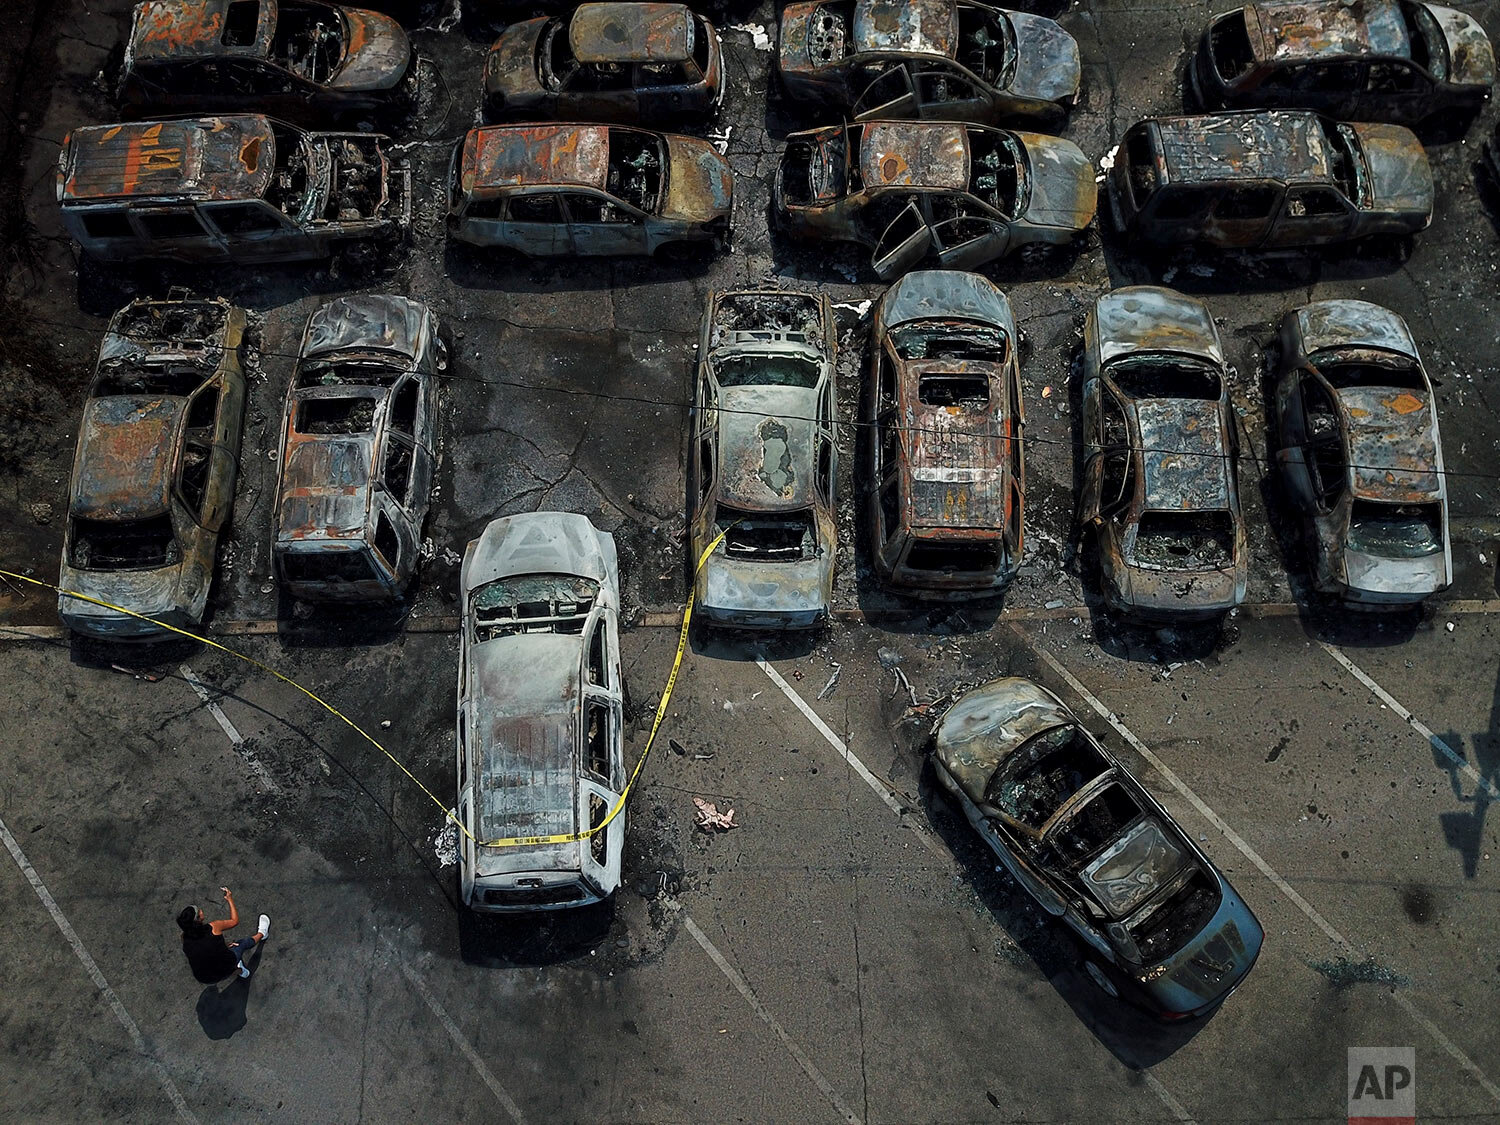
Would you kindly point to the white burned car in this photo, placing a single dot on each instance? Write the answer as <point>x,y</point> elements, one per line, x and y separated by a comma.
<point>540,714</point>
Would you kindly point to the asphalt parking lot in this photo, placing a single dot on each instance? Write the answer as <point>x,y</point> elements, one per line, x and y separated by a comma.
<point>849,952</point>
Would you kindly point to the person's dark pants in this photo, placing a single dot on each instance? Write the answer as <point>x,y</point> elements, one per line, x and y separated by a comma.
<point>241,950</point>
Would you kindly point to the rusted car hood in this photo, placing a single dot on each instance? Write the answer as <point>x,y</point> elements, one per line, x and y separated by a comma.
<point>542,543</point>
<point>984,727</point>
<point>757,587</point>
<point>948,294</point>
<point>1150,318</point>
<point>1393,452</point>
<point>1347,323</point>
<point>932,154</point>
<point>1471,55</point>
<point>1400,177</point>
<point>154,593</point>
<point>1047,65</point>
<point>921,27</point>
<point>1063,191</point>
<point>126,450</point>
<point>792,48</point>
<point>325,488</point>
<point>376,320</point>
<point>1184,456</point>
<point>376,55</point>
<point>700,186</point>
<point>511,65</point>
<point>765,447</point>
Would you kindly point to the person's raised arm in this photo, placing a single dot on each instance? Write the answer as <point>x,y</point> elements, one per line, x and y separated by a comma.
<point>234,914</point>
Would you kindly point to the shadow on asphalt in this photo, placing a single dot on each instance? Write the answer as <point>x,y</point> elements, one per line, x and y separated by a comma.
<point>504,941</point>
<point>222,1007</point>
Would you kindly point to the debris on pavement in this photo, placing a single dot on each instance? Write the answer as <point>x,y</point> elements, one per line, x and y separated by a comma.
<point>833,682</point>
<point>710,819</point>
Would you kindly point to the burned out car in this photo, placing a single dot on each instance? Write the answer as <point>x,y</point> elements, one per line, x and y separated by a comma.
<point>242,189</point>
<point>154,471</point>
<point>358,449</point>
<point>944,60</point>
<point>911,190</point>
<point>540,715</point>
<point>764,460</point>
<point>1359,454</point>
<point>297,59</point>
<point>1377,60</point>
<point>946,476</point>
<point>1084,838</point>
<point>622,62</point>
<point>1160,486</point>
<point>563,190</point>
<point>1267,180</point>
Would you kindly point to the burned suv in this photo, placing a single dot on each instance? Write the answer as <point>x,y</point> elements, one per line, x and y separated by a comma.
<point>358,448</point>
<point>241,189</point>
<point>154,472</point>
<point>1161,492</point>
<point>763,461</point>
<point>944,60</point>
<point>1267,180</point>
<point>1377,60</point>
<point>1359,454</point>
<point>540,716</point>
<point>606,62</point>
<point>946,478</point>
<point>962,194</point>
<point>1086,840</point>
<point>299,59</point>
<point>564,190</point>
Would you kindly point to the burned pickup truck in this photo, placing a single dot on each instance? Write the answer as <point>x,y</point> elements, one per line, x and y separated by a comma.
<point>1160,486</point>
<point>154,472</point>
<point>1275,179</point>
<point>942,60</point>
<point>1360,456</point>
<point>947,479</point>
<point>241,189</point>
<point>358,447</point>
<point>299,59</point>
<point>962,194</point>
<point>763,461</point>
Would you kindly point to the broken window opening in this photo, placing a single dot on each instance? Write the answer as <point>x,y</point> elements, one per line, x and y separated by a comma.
<point>203,410</point>
<point>1246,203</point>
<point>533,896</point>
<point>792,313</point>
<point>558,63</point>
<point>985,44</point>
<point>356,179</point>
<point>1173,923</point>
<point>132,377</point>
<point>387,546</point>
<point>169,225</point>
<point>396,473</point>
<point>244,220</point>
<point>1185,540</point>
<point>766,370</point>
<point>327,566</point>
<point>596,738</point>
<point>1371,368</point>
<point>782,537</point>
<point>1140,158</point>
<point>124,544</point>
<point>308,41</point>
<point>1229,46</point>
<point>527,209</point>
<point>1429,48</point>
<point>352,414</point>
<point>599,841</point>
<point>997,171</point>
<point>595,668</point>
<point>705,466</point>
<point>1094,825</point>
<point>1161,375</point>
<point>954,558</point>
<point>960,390</point>
<point>636,164</point>
<point>404,409</point>
<point>534,603</point>
<point>950,340</point>
<point>1325,443</point>
<point>890,510</point>
<point>1041,776</point>
<point>193,479</point>
<point>1346,165</point>
<point>108,224</point>
<point>347,372</point>
<point>240,21</point>
<point>1395,531</point>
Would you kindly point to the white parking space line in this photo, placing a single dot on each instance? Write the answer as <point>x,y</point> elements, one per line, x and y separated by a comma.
<point>734,978</point>
<point>882,790</point>
<point>1345,946</point>
<point>885,793</point>
<point>507,1103</point>
<point>1458,760</point>
<point>233,734</point>
<point>174,1095</point>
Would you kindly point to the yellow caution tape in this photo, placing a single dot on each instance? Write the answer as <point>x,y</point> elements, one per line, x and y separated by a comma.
<point>512,842</point>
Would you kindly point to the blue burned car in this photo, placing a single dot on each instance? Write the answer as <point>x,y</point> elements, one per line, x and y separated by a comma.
<point>1162,927</point>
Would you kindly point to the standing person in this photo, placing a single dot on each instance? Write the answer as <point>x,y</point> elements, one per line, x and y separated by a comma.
<point>211,957</point>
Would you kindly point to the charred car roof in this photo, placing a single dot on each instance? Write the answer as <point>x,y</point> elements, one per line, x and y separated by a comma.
<point>631,33</point>
<point>1269,144</point>
<point>765,435</point>
<point>202,158</point>
<point>928,27</point>
<point>194,29</point>
<point>125,456</point>
<point>373,321</point>
<point>928,154</point>
<point>505,156</point>
<point>1393,452</point>
<point>1186,467</point>
<point>1150,318</point>
<point>1298,31</point>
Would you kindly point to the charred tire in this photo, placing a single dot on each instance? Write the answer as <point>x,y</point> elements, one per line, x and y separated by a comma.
<point>1101,979</point>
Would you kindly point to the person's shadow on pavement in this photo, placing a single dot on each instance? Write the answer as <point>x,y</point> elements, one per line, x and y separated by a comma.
<point>221,1008</point>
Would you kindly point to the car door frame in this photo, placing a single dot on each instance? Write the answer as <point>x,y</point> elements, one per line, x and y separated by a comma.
<point>535,238</point>
<point>898,74</point>
<point>912,247</point>
<point>1318,232</point>
<point>582,233</point>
